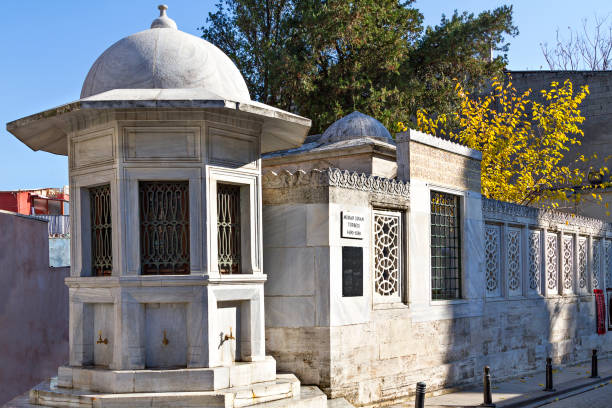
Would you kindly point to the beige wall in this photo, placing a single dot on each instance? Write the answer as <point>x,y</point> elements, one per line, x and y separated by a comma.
<point>597,126</point>
<point>33,306</point>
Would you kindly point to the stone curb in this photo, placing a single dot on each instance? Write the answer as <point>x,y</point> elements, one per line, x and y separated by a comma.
<point>538,398</point>
<point>542,396</point>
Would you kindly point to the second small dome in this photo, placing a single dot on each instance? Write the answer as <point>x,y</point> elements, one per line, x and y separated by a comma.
<point>355,125</point>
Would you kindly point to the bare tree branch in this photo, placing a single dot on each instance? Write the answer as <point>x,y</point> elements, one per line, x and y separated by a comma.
<point>589,49</point>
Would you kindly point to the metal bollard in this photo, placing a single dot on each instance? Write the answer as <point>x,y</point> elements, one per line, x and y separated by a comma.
<point>594,370</point>
<point>487,396</point>
<point>419,401</point>
<point>549,375</point>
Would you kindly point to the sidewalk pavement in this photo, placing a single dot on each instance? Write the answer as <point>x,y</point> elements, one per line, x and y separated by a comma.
<point>528,391</point>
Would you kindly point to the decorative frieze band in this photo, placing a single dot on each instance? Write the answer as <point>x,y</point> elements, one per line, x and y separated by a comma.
<point>500,210</point>
<point>336,178</point>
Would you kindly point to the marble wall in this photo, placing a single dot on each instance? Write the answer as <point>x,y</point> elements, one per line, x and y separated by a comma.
<point>368,350</point>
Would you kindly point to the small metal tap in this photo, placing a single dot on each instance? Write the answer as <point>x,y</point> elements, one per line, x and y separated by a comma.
<point>100,339</point>
<point>230,336</point>
<point>165,339</point>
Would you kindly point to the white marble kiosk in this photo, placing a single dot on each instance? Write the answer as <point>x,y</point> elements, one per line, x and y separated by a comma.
<point>164,121</point>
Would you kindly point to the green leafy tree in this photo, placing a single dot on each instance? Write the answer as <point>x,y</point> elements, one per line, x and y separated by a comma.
<point>324,59</point>
<point>460,49</point>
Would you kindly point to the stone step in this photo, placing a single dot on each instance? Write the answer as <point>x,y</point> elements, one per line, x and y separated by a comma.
<point>285,388</point>
<point>339,403</point>
<point>178,380</point>
<point>309,397</point>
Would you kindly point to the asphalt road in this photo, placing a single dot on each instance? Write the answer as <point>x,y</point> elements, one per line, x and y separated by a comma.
<point>597,398</point>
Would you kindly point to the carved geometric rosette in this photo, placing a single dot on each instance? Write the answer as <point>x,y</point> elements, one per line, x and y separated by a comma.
<point>582,264</point>
<point>386,254</point>
<point>608,262</point>
<point>535,260</point>
<point>568,263</point>
<point>596,264</point>
<point>514,261</point>
<point>552,265</point>
<point>492,255</point>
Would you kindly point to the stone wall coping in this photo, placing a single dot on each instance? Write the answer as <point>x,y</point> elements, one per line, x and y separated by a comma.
<point>334,177</point>
<point>30,217</point>
<point>495,210</point>
<point>439,143</point>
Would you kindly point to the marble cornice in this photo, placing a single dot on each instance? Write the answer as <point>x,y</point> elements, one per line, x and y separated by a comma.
<point>494,209</point>
<point>336,178</point>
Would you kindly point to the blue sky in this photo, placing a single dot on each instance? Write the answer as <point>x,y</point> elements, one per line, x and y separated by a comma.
<point>48,47</point>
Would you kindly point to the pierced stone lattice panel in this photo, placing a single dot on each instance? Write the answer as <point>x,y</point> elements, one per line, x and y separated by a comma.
<point>535,260</point>
<point>514,262</point>
<point>552,265</point>
<point>492,256</point>
<point>608,262</point>
<point>568,264</point>
<point>386,255</point>
<point>582,265</point>
<point>596,264</point>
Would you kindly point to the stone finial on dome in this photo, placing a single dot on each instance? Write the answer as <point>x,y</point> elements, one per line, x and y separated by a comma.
<point>163,21</point>
<point>355,125</point>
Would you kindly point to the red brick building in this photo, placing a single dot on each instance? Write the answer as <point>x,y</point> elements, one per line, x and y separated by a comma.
<point>45,201</point>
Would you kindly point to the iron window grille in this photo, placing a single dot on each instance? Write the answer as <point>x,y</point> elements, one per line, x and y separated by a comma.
<point>164,227</point>
<point>101,230</point>
<point>228,228</point>
<point>445,246</point>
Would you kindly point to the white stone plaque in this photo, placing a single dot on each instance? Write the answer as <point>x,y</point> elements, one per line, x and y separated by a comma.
<point>353,225</point>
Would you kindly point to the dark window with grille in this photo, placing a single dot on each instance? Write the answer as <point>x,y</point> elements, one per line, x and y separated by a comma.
<point>228,228</point>
<point>164,227</point>
<point>101,231</point>
<point>445,246</point>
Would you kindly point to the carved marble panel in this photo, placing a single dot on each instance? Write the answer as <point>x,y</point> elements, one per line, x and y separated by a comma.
<point>161,143</point>
<point>514,265</point>
<point>582,265</point>
<point>568,264</point>
<point>232,148</point>
<point>166,335</point>
<point>535,260</point>
<point>103,333</point>
<point>229,327</point>
<point>552,263</point>
<point>608,262</point>
<point>387,261</point>
<point>93,148</point>
<point>596,267</point>
<point>492,260</point>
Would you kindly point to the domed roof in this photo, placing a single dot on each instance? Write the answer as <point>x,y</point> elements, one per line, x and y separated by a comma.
<point>355,125</point>
<point>164,57</point>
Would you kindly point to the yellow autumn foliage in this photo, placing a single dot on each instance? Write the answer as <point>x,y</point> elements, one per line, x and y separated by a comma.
<point>522,140</point>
